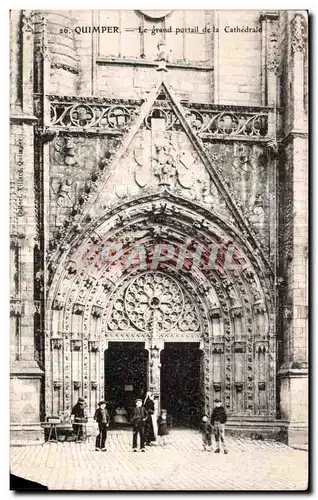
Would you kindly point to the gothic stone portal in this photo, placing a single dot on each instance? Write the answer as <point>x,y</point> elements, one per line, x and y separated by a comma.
<point>159,310</point>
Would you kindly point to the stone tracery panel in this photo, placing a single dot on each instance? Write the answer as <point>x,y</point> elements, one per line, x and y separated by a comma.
<point>154,302</point>
<point>154,299</point>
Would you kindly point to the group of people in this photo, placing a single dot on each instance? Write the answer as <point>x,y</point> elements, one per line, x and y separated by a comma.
<point>146,426</point>
<point>150,429</point>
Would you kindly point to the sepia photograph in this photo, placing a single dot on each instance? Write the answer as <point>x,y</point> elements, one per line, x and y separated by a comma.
<point>159,250</point>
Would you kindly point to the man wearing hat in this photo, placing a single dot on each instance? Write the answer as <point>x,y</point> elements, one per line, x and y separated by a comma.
<point>79,412</point>
<point>218,420</point>
<point>102,418</point>
<point>138,421</point>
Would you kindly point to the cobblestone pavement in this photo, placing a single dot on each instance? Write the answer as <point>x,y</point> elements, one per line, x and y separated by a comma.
<point>180,465</point>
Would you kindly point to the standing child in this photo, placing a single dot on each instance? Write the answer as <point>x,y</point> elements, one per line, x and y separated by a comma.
<point>102,418</point>
<point>206,431</point>
<point>218,420</point>
<point>162,428</point>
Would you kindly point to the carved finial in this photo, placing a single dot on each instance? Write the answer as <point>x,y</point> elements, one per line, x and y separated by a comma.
<point>44,44</point>
<point>299,33</point>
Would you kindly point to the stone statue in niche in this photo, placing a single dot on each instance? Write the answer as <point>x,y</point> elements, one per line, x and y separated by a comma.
<point>155,368</point>
<point>162,56</point>
<point>162,52</point>
<point>250,277</point>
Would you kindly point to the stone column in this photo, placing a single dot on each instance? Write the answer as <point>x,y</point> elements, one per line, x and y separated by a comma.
<point>24,370</point>
<point>294,370</point>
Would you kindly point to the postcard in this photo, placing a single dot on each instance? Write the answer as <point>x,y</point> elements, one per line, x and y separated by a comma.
<point>159,250</point>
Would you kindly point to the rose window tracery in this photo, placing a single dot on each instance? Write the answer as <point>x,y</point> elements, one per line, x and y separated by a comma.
<point>154,301</point>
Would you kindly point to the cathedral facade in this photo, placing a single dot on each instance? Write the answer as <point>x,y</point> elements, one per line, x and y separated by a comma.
<point>159,215</point>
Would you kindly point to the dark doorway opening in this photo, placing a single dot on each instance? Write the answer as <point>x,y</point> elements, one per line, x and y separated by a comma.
<point>181,392</point>
<point>126,365</point>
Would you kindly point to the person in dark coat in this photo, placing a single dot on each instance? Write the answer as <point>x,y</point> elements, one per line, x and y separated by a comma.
<point>79,412</point>
<point>206,432</point>
<point>102,418</point>
<point>162,428</point>
<point>218,420</point>
<point>149,406</point>
<point>138,421</point>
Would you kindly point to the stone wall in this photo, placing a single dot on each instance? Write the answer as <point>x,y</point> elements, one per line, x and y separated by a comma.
<point>238,61</point>
<point>294,231</point>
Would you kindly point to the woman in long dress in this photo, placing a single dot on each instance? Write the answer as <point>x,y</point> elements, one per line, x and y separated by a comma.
<point>150,433</point>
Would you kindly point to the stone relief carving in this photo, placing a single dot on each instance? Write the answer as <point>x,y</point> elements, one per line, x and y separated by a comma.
<point>261,346</point>
<point>63,192</point>
<point>65,149</point>
<point>189,320</point>
<point>217,348</point>
<point>244,157</point>
<point>259,308</point>
<point>165,160</point>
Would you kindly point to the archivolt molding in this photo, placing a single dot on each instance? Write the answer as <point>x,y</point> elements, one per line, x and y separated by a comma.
<point>238,293</point>
<point>154,209</point>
